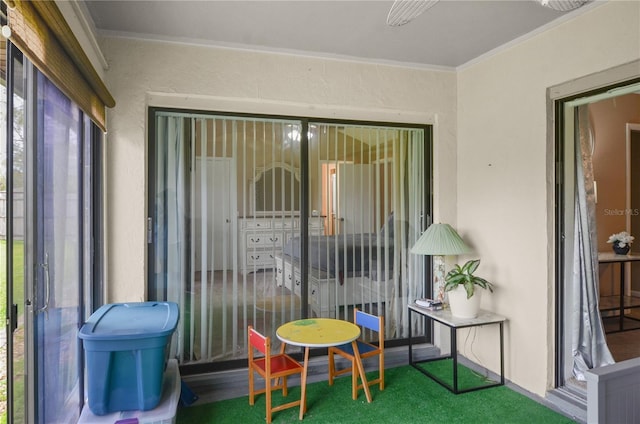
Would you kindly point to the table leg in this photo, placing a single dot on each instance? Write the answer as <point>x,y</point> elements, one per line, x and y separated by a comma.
<point>622,269</point>
<point>303,384</point>
<point>363,377</point>
<point>502,353</point>
<point>454,355</point>
<point>410,345</point>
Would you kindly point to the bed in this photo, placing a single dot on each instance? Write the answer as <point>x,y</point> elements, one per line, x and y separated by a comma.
<point>344,270</point>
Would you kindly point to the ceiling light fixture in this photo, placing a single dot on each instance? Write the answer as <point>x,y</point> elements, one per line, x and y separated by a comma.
<point>293,132</point>
<point>404,11</point>
<point>563,5</point>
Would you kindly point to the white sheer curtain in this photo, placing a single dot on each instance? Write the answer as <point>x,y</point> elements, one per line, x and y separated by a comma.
<point>419,218</point>
<point>589,346</point>
<point>171,218</point>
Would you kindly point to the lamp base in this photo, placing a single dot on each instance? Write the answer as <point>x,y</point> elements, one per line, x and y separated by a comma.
<point>438,277</point>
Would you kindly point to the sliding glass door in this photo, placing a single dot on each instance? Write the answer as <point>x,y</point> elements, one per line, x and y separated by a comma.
<point>14,230</point>
<point>53,244</point>
<point>58,255</point>
<point>258,221</point>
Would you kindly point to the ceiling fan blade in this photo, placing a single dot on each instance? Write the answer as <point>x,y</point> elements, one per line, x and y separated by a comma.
<point>404,11</point>
<point>563,5</point>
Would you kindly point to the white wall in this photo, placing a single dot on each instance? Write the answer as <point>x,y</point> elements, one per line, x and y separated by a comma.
<point>143,73</point>
<point>503,184</point>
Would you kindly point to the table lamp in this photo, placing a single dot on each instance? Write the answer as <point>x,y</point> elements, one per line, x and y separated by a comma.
<point>439,240</point>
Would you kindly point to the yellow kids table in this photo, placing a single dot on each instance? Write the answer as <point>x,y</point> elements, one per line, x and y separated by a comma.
<point>321,332</point>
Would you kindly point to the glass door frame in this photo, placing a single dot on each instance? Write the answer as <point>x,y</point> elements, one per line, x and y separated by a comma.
<point>13,309</point>
<point>563,130</point>
<point>160,291</point>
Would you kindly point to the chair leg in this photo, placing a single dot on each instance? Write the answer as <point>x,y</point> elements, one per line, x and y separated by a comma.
<point>354,380</point>
<point>251,392</point>
<point>332,368</point>
<point>282,349</point>
<point>381,364</point>
<point>267,383</point>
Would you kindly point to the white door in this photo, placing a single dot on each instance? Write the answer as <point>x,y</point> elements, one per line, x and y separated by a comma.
<point>213,200</point>
<point>355,198</point>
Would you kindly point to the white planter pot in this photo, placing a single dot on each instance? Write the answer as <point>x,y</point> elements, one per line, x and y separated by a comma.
<point>461,307</point>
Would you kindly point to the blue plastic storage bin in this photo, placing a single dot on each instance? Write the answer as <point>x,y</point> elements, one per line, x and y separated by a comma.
<point>125,345</point>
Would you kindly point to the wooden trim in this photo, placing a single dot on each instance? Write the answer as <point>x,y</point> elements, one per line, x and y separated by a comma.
<point>39,30</point>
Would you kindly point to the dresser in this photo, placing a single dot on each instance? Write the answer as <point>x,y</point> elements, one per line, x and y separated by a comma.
<point>260,239</point>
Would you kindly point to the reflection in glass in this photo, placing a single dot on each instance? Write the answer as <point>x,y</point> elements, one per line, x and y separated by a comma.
<point>228,224</point>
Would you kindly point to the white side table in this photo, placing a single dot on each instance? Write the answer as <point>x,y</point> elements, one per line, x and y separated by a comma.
<point>444,317</point>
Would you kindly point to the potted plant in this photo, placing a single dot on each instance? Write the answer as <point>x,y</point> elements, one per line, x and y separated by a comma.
<point>621,242</point>
<point>460,284</point>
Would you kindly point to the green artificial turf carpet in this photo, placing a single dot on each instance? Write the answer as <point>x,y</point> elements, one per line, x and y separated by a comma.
<point>409,397</point>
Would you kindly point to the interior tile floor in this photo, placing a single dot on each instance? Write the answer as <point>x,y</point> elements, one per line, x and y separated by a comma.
<point>624,344</point>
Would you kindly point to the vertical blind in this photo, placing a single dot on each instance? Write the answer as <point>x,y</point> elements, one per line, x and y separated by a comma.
<point>229,230</point>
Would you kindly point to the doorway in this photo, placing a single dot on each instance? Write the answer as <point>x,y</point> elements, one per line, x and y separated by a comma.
<point>577,116</point>
<point>213,213</point>
<point>616,169</point>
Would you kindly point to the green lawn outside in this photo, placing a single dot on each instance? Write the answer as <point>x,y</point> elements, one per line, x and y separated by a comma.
<point>18,275</point>
<point>3,308</point>
<point>18,298</point>
<point>3,278</point>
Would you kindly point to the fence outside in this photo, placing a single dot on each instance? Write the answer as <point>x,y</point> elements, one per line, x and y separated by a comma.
<point>18,214</point>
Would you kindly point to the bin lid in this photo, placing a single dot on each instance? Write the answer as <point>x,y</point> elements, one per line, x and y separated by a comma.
<point>131,321</point>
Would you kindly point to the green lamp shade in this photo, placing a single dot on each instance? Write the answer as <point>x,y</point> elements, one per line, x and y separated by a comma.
<point>440,239</point>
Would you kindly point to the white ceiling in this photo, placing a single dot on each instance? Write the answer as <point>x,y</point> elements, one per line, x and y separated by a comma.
<point>450,34</point>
